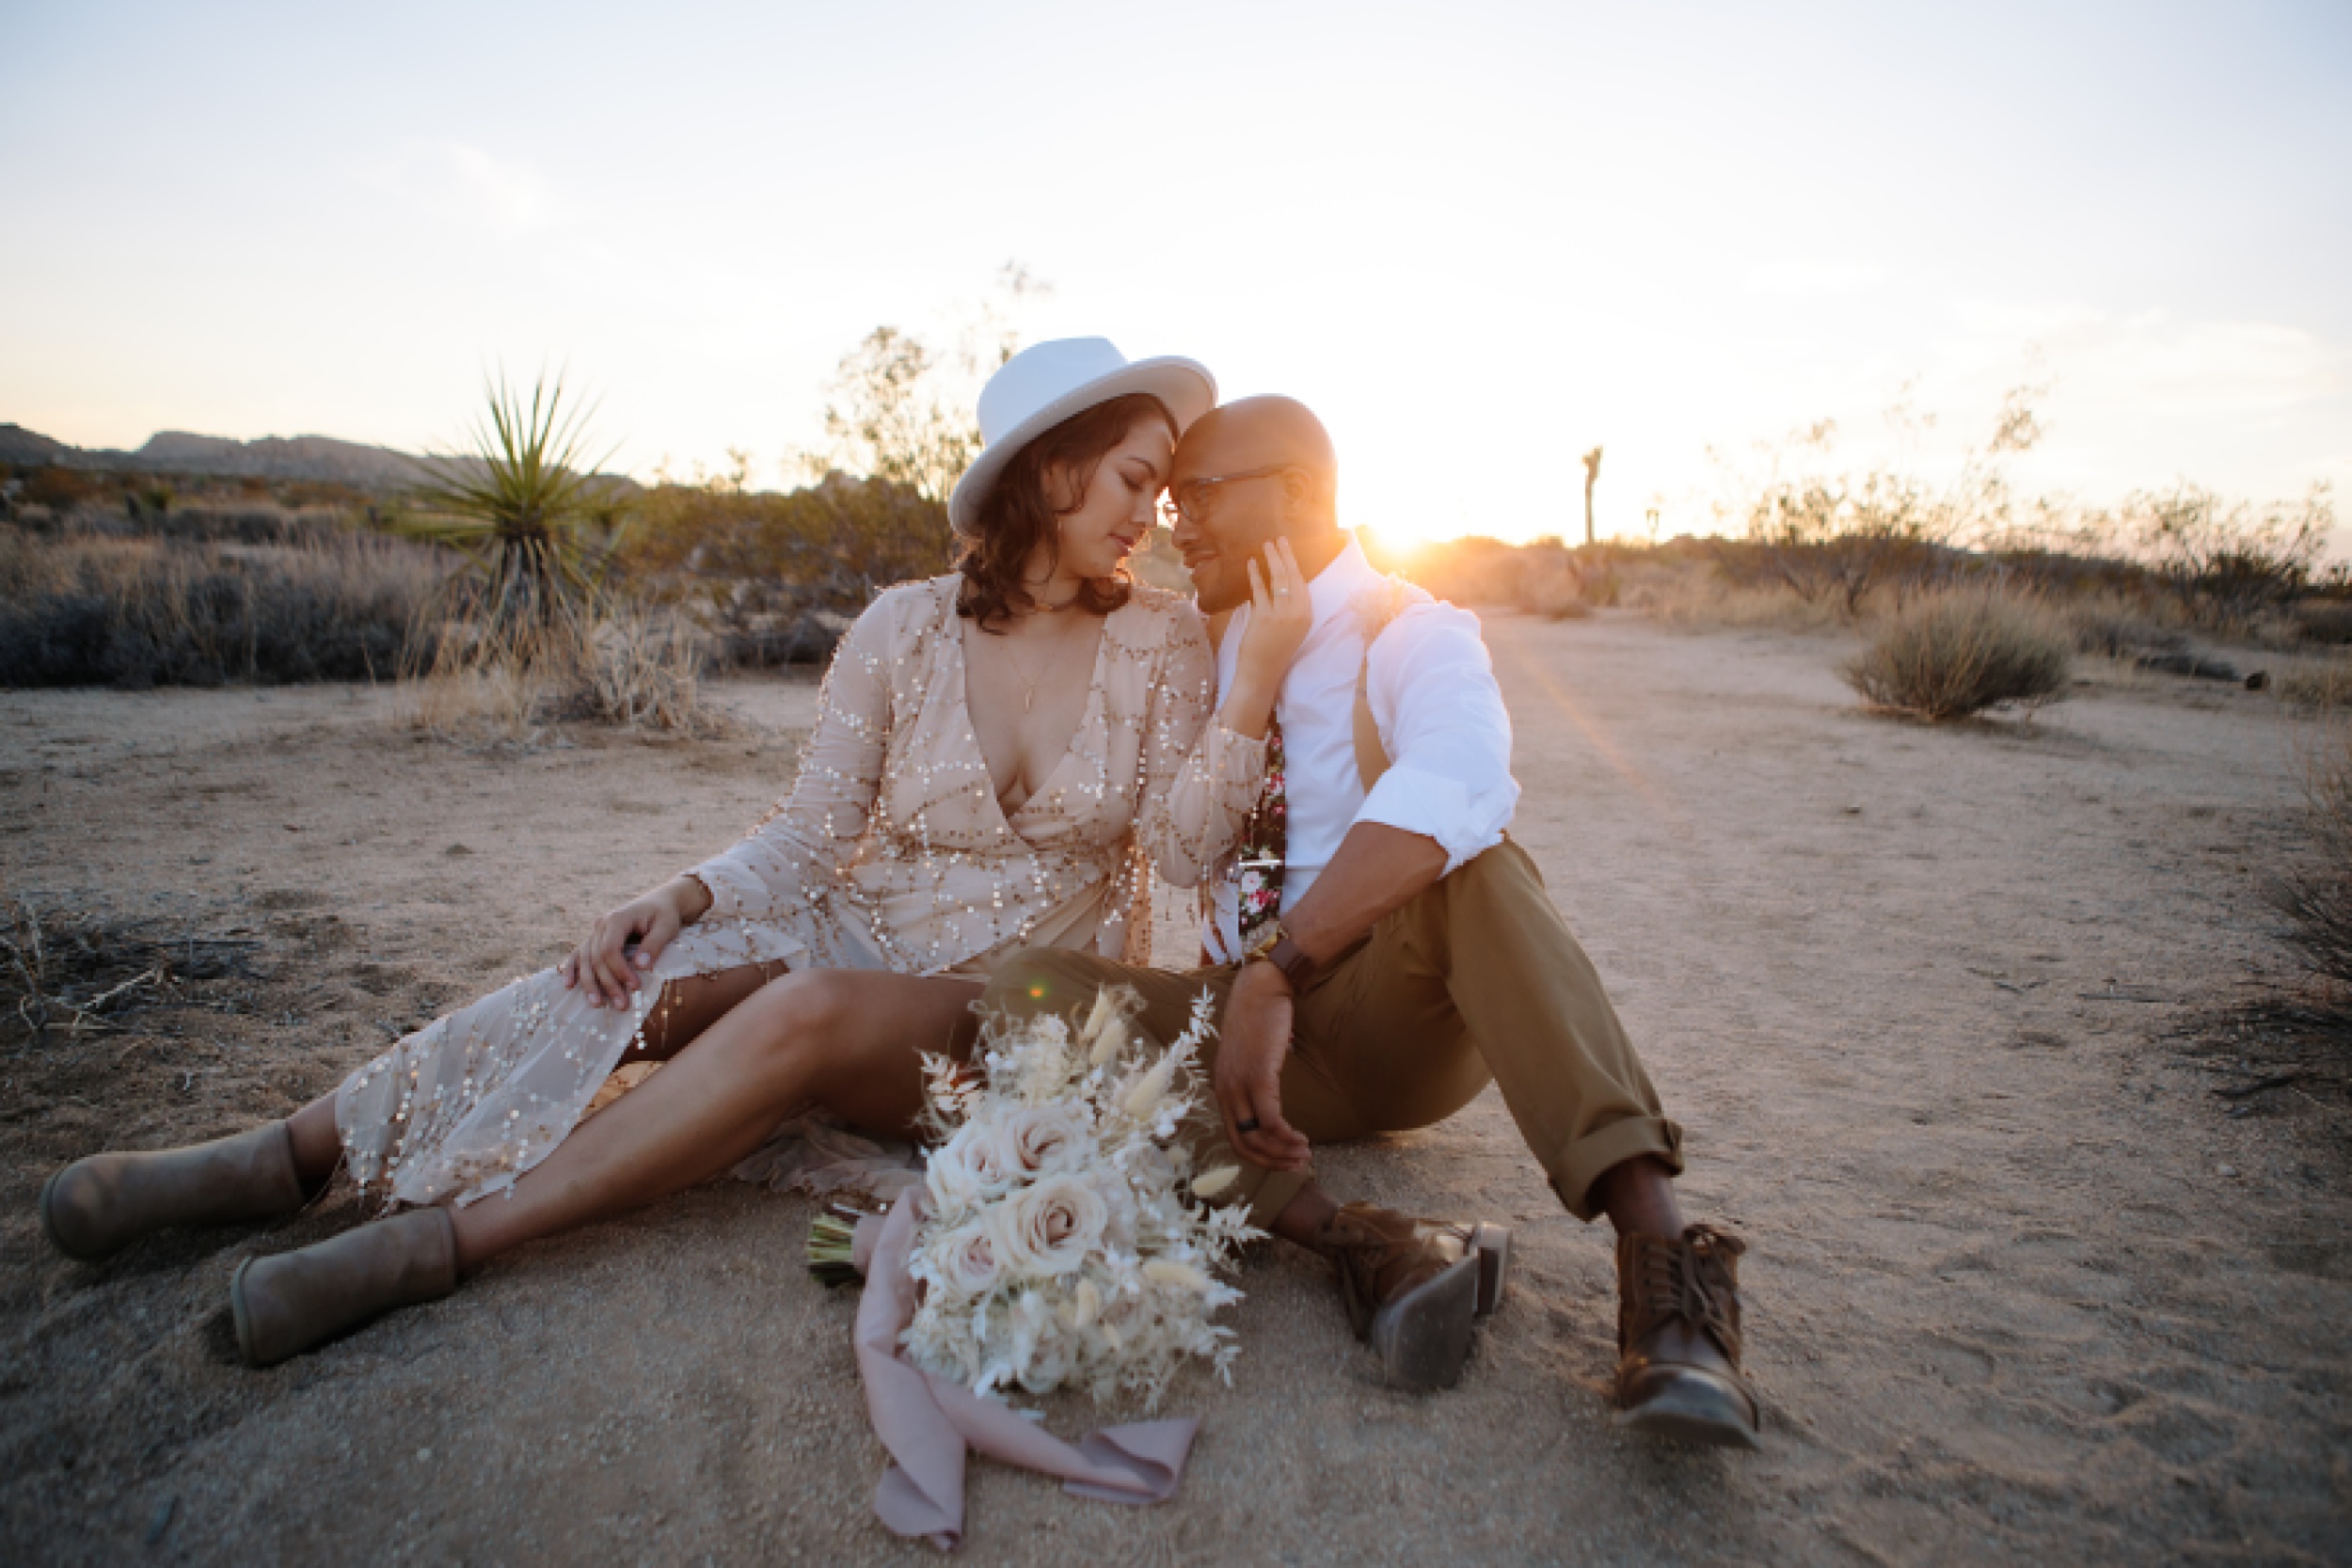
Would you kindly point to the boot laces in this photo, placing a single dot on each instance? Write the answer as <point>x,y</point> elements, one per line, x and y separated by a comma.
<point>1692,1277</point>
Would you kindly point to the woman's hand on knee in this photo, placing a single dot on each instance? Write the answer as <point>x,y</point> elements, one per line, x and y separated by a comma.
<point>622,946</point>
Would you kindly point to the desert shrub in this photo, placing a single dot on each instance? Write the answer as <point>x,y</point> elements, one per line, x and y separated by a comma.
<point>85,610</point>
<point>2328,622</point>
<point>775,579</point>
<point>2230,559</point>
<point>61,490</point>
<point>639,672</point>
<point>2316,896</point>
<point>1961,651</point>
<point>622,665</point>
<point>2319,682</point>
<point>2119,626</point>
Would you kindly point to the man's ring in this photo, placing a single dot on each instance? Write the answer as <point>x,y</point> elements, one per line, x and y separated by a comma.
<point>1251,1125</point>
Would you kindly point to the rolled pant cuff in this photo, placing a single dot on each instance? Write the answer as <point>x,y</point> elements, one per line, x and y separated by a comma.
<point>1591,1157</point>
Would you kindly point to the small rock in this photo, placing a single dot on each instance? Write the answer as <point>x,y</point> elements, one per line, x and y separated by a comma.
<point>2225,1170</point>
<point>458,849</point>
<point>424,1456</point>
<point>1853,810</point>
<point>2258,681</point>
<point>160,1520</point>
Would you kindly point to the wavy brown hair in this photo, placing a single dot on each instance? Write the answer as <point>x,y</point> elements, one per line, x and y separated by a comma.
<point>1019,513</point>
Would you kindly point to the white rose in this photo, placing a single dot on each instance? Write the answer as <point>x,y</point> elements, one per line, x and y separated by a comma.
<point>966,1260</point>
<point>970,1168</point>
<point>1039,1139</point>
<point>1049,1228</point>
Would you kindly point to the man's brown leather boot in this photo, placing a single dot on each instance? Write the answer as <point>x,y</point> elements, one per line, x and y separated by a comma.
<point>1413,1288</point>
<point>98,1206</point>
<point>1678,1338</point>
<point>285,1303</point>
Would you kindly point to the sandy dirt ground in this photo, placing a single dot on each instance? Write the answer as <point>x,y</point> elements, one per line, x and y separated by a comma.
<point>1934,1005</point>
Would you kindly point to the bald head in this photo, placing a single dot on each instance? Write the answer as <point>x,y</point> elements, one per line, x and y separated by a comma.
<point>1262,432</point>
<point>1246,474</point>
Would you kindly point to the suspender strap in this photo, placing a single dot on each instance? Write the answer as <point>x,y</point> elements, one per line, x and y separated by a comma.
<point>1372,760</point>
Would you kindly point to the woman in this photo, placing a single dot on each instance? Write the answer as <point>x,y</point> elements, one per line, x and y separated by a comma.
<point>1001,756</point>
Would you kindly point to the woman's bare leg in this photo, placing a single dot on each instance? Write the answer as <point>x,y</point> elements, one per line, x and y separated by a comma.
<point>684,1010</point>
<point>849,1040</point>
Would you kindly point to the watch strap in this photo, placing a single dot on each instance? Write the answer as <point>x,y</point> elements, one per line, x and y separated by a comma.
<point>1286,955</point>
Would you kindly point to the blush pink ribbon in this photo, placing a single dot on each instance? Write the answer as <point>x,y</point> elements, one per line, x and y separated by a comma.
<point>928,1422</point>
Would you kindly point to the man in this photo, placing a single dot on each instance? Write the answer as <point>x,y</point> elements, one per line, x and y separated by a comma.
<point>1383,951</point>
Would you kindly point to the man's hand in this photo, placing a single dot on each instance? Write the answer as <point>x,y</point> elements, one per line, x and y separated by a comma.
<point>1248,1080</point>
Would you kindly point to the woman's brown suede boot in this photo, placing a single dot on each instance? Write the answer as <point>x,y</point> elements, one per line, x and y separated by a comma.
<point>287,1302</point>
<point>1413,1288</point>
<point>96,1207</point>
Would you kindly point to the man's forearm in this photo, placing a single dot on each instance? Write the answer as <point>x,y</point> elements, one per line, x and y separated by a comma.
<point>1378,868</point>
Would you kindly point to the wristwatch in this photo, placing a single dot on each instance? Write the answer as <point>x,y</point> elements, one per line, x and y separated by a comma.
<point>1274,945</point>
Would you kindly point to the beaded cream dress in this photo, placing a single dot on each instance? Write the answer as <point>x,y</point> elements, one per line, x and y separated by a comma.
<point>890,852</point>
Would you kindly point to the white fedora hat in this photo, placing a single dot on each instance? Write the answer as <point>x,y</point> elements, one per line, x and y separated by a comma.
<point>1047,383</point>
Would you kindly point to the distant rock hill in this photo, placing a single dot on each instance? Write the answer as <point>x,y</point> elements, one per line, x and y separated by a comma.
<point>176,451</point>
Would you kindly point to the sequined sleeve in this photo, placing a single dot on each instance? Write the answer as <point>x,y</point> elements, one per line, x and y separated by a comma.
<point>1200,779</point>
<point>791,856</point>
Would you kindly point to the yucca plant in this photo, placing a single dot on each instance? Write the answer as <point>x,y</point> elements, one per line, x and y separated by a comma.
<point>527,506</point>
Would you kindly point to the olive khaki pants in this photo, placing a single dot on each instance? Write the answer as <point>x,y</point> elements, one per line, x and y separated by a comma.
<point>1476,978</point>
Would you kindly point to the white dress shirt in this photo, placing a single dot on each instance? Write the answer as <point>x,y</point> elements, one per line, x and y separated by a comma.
<point>1441,721</point>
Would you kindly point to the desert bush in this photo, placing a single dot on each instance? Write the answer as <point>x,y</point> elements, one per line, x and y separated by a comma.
<point>639,672</point>
<point>84,610</point>
<point>2318,683</point>
<point>62,490</point>
<point>776,578</point>
<point>2118,626</point>
<point>1961,651</point>
<point>623,666</point>
<point>2328,622</point>
<point>2316,896</point>
<point>1842,534</point>
<point>2230,559</point>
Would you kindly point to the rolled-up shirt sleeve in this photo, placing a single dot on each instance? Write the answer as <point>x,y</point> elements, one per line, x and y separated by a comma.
<point>1447,736</point>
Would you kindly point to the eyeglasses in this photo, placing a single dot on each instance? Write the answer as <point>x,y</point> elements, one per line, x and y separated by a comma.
<point>1188,500</point>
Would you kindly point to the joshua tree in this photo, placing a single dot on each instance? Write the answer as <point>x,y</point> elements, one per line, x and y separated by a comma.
<point>526,506</point>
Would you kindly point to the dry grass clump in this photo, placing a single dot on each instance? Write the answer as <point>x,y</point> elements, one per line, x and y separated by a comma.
<point>639,674</point>
<point>2316,897</point>
<point>2320,682</point>
<point>1961,651</point>
<point>619,666</point>
<point>75,974</point>
<point>2119,627</point>
<point>85,610</point>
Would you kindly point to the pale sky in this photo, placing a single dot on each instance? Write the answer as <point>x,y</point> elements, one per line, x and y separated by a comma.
<point>1478,238</point>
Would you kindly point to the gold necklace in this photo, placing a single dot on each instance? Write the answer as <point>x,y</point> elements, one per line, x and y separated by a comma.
<point>1029,686</point>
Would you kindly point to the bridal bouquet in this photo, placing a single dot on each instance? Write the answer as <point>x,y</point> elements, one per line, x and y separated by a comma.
<point>1065,1241</point>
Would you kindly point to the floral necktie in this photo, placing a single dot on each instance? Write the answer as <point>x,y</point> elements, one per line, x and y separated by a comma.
<point>1258,871</point>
